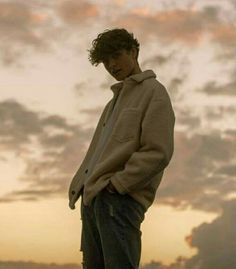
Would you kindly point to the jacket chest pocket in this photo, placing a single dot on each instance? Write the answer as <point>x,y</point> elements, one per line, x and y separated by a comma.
<point>127,125</point>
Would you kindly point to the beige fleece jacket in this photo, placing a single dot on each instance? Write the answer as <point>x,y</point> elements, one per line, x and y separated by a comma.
<point>139,143</point>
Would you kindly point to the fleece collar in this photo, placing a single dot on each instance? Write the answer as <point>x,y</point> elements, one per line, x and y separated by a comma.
<point>136,78</point>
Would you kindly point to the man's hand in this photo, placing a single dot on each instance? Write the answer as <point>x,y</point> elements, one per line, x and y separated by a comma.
<point>110,187</point>
<point>73,201</point>
<point>74,198</point>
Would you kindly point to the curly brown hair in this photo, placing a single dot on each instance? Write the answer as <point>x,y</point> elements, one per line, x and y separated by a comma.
<point>109,43</point>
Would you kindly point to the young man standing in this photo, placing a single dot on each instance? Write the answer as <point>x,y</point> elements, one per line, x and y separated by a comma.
<point>132,145</point>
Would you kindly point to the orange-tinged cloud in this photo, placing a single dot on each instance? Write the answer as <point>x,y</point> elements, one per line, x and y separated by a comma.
<point>120,2</point>
<point>24,29</point>
<point>225,34</point>
<point>74,12</point>
<point>39,17</point>
<point>141,11</point>
<point>182,25</point>
<point>176,25</point>
<point>189,239</point>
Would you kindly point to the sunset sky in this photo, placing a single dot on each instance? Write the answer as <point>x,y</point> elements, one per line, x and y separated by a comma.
<point>51,98</point>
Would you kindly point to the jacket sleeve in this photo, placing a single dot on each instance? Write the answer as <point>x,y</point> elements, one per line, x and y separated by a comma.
<point>156,150</point>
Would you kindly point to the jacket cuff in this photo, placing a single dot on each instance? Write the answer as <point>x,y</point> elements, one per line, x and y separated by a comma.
<point>120,188</point>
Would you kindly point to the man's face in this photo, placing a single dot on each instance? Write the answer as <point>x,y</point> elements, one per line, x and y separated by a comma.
<point>121,64</point>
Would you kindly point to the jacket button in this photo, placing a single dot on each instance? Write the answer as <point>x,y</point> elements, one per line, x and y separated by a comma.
<point>73,192</point>
<point>86,171</point>
<point>104,124</point>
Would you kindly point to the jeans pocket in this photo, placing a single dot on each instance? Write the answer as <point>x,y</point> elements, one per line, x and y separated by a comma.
<point>135,209</point>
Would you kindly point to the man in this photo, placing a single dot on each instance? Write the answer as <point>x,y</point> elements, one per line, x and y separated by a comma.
<point>132,145</point>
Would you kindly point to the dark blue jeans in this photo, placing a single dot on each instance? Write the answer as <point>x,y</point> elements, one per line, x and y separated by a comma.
<point>111,235</point>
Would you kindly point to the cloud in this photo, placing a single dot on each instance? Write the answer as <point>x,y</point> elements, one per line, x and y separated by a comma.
<point>77,12</point>
<point>213,88</point>
<point>158,59</point>
<point>34,265</point>
<point>230,134</point>
<point>153,265</point>
<point>234,3</point>
<point>17,125</point>
<point>26,27</point>
<point>79,88</point>
<point>51,148</point>
<point>195,175</point>
<point>227,170</point>
<point>172,67</point>
<point>187,26</point>
<point>32,27</point>
<point>215,241</point>
<point>220,112</point>
<point>17,22</point>
<point>119,3</point>
<point>225,35</point>
<point>186,118</point>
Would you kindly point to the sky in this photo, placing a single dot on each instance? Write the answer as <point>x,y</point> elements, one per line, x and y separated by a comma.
<point>51,98</point>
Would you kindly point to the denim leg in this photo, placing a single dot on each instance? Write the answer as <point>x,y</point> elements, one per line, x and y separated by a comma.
<point>118,220</point>
<point>90,240</point>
